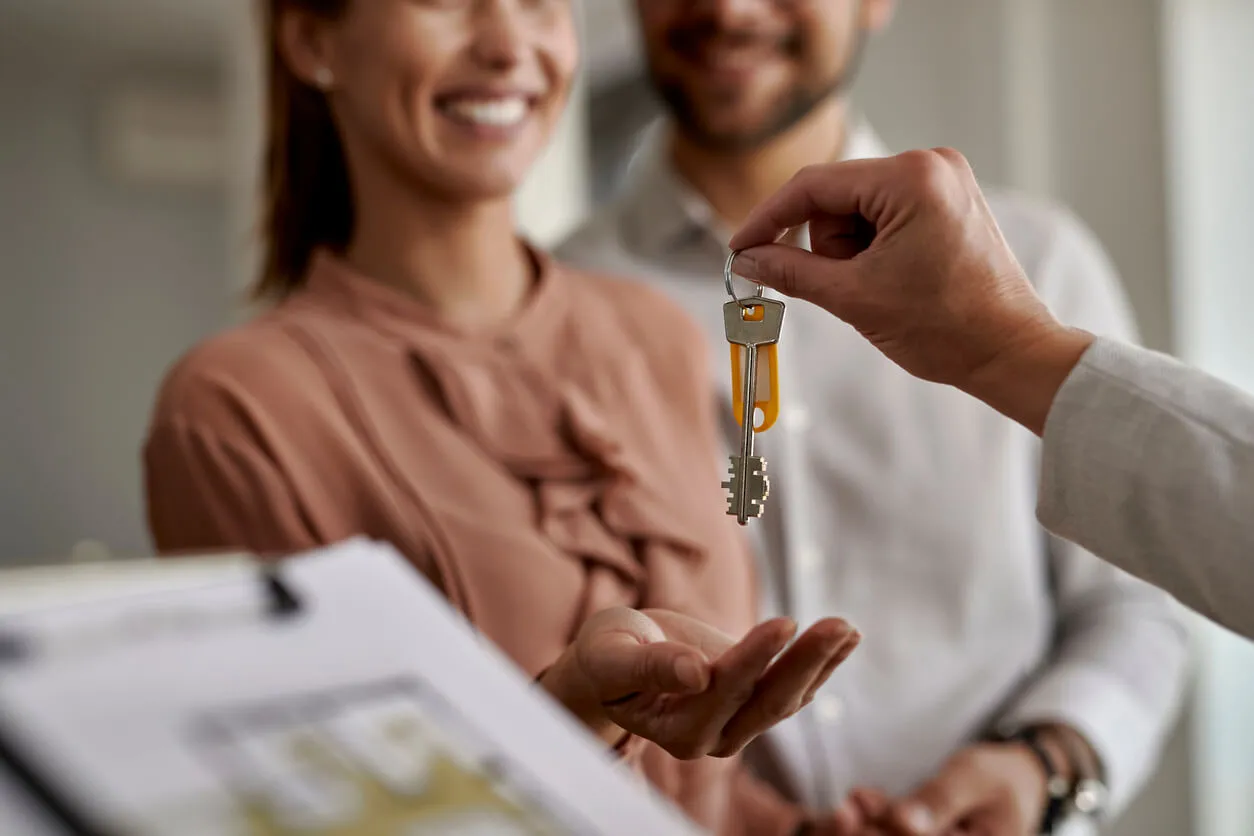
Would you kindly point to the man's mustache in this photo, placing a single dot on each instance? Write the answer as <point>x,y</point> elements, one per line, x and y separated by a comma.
<point>699,36</point>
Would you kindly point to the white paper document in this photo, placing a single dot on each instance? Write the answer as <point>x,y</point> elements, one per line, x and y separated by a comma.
<point>371,707</point>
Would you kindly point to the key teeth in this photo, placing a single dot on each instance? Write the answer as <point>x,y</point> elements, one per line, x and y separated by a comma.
<point>759,481</point>
<point>755,509</point>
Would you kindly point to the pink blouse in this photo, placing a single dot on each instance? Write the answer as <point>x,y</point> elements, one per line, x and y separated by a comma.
<point>563,463</point>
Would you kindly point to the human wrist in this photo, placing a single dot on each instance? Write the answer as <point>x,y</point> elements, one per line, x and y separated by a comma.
<point>1049,738</point>
<point>1042,780</point>
<point>1085,770</point>
<point>565,682</point>
<point>1074,748</point>
<point>1022,379</point>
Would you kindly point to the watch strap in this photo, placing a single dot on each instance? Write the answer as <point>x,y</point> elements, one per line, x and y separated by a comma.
<point>1058,789</point>
<point>1090,794</point>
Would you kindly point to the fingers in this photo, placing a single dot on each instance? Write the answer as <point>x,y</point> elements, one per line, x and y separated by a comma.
<point>866,192</point>
<point>846,821</point>
<point>736,673</point>
<point>845,650</point>
<point>619,666</point>
<point>841,237</point>
<point>695,725</point>
<point>861,815</point>
<point>832,189</point>
<point>796,675</point>
<point>872,804</point>
<point>794,271</point>
<point>938,806</point>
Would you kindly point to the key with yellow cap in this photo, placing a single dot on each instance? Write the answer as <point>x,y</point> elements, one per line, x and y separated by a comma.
<point>752,326</point>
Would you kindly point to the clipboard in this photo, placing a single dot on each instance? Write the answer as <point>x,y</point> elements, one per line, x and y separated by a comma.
<point>333,693</point>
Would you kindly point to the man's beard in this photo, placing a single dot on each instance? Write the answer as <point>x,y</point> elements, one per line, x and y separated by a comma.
<point>793,108</point>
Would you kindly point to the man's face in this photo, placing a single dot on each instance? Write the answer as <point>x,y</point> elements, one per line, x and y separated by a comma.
<point>737,73</point>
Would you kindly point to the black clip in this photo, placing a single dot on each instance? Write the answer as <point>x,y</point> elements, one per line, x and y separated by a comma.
<point>281,601</point>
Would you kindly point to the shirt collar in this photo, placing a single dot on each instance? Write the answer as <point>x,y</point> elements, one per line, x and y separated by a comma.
<point>664,213</point>
<point>334,285</point>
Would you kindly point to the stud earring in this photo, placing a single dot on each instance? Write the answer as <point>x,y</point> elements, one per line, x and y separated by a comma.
<point>323,78</point>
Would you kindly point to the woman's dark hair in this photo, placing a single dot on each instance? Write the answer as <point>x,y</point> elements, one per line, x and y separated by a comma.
<point>306,197</point>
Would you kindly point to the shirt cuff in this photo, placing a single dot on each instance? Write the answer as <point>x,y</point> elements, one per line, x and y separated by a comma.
<point>1077,453</point>
<point>1123,734</point>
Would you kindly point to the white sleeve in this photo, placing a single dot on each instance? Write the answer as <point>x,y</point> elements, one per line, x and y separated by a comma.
<point>1150,464</point>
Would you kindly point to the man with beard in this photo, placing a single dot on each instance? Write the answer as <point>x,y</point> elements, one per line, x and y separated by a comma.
<point>1008,683</point>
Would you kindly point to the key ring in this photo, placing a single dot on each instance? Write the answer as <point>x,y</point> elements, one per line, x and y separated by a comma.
<point>727,282</point>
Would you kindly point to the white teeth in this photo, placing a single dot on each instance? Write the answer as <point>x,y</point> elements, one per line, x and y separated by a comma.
<point>496,113</point>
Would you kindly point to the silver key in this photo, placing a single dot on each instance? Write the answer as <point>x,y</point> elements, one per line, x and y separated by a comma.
<point>749,485</point>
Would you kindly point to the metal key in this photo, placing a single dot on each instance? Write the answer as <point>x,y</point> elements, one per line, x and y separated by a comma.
<point>752,323</point>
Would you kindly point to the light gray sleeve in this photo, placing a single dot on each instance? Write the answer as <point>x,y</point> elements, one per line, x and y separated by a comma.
<point>1117,668</point>
<point>1150,464</point>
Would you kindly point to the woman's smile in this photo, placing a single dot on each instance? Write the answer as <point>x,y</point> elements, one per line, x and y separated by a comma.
<point>492,115</point>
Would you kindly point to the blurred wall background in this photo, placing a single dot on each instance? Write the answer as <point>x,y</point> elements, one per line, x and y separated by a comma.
<point>129,135</point>
<point>105,278</point>
<point>1209,72</point>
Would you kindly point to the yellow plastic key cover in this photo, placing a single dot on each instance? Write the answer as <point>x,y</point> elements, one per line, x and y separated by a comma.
<point>766,400</point>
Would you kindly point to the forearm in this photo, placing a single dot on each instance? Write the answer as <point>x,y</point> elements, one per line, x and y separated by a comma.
<point>1022,381</point>
<point>1148,463</point>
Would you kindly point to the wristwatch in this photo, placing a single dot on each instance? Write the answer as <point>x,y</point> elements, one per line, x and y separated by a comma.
<point>1058,790</point>
<point>1090,795</point>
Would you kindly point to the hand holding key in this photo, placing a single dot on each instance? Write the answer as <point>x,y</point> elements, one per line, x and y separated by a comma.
<point>751,326</point>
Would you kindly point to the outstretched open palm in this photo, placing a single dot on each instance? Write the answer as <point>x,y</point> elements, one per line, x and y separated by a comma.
<point>696,691</point>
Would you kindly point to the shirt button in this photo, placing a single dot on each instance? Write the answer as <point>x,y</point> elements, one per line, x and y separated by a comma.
<point>830,709</point>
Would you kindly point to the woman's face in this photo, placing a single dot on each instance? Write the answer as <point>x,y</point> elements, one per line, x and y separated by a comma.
<point>459,96</point>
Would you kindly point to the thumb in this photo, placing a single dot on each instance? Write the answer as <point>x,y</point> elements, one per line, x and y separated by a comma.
<point>794,271</point>
<point>937,806</point>
<point>619,665</point>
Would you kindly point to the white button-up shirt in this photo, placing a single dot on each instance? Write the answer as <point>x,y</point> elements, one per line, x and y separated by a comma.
<point>908,508</point>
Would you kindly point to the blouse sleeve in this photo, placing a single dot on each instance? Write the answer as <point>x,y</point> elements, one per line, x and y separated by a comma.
<point>206,492</point>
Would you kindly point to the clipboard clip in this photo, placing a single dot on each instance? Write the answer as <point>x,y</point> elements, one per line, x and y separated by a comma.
<point>281,601</point>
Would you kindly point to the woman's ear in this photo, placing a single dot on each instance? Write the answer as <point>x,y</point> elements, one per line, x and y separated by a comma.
<point>876,14</point>
<point>306,46</point>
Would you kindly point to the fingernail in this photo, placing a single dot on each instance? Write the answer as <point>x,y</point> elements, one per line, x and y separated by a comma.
<point>688,672</point>
<point>919,818</point>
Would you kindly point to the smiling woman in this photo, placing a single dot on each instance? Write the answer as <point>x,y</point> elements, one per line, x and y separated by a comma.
<point>421,100</point>
<point>536,440</point>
